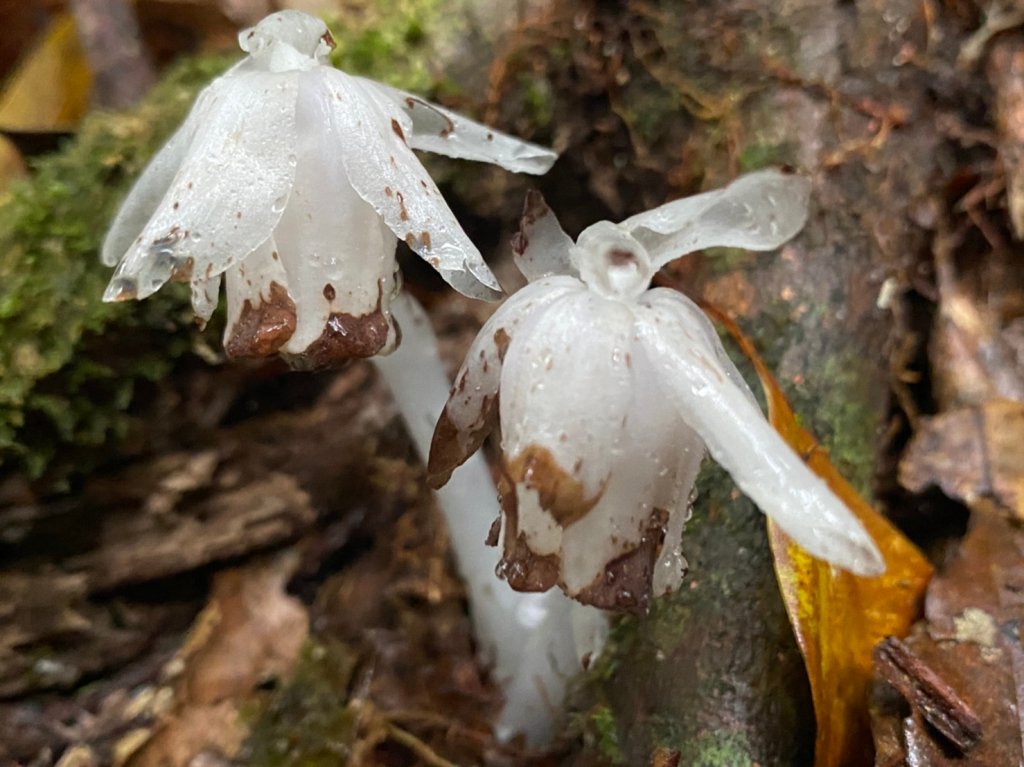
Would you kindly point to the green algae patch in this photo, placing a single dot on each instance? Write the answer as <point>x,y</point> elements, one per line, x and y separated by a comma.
<point>400,42</point>
<point>60,383</point>
<point>307,722</point>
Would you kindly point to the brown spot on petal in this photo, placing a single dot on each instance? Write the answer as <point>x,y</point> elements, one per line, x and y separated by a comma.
<point>494,534</point>
<point>398,130</point>
<point>261,330</point>
<point>402,212</point>
<point>410,240</point>
<point>328,38</point>
<point>346,337</point>
<point>620,257</point>
<point>329,292</point>
<point>625,583</point>
<point>534,209</point>
<point>560,493</point>
<point>501,341</point>
<point>182,271</point>
<point>450,446</point>
<point>523,569</point>
<point>389,192</point>
<point>425,239</point>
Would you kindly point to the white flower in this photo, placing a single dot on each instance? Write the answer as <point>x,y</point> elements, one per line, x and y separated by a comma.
<point>294,181</point>
<point>607,394</point>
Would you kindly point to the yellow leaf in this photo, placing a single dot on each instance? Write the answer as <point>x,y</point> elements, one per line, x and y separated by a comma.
<point>50,89</point>
<point>838,618</point>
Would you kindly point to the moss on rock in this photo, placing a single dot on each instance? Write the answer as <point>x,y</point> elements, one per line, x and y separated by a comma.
<point>59,383</point>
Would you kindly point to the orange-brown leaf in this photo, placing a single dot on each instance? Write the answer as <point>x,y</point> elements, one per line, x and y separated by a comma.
<point>838,617</point>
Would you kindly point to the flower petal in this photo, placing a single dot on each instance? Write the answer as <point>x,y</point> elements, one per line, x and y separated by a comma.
<point>385,172</point>
<point>565,390</point>
<point>742,441</point>
<point>628,529</point>
<point>433,128</point>
<point>261,311</point>
<point>758,211</point>
<point>338,254</point>
<point>468,416</point>
<point>541,247</point>
<point>205,295</point>
<point>229,191</point>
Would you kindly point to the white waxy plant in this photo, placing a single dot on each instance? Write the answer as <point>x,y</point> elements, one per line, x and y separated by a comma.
<point>607,393</point>
<point>293,181</point>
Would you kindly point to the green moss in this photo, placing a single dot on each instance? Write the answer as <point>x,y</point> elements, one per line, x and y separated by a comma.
<point>720,749</point>
<point>756,156</point>
<point>59,383</point>
<point>840,417</point>
<point>603,721</point>
<point>538,99</point>
<point>396,41</point>
<point>307,722</point>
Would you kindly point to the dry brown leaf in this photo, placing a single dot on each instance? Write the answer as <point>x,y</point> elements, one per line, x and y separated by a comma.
<point>970,645</point>
<point>50,89</point>
<point>250,631</point>
<point>838,617</point>
<point>970,453</point>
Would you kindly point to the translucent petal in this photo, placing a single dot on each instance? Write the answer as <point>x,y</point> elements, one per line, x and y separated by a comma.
<point>654,471</point>
<point>150,188</point>
<point>758,211</point>
<point>565,390</point>
<point>385,172</point>
<point>261,312</point>
<point>229,191</point>
<point>435,129</point>
<point>205,295</point>
<point>741,440</point>
<point>467,416</point>
<point>339,255</point>
<point>541,247</point>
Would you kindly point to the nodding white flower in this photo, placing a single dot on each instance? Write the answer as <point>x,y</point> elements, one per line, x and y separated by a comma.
<point>607,394</point>
<point>294,181</point>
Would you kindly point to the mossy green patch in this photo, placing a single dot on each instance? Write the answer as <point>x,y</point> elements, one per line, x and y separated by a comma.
<point>52,391</point>
<point>720,749</point>
<point>396,41</point>
<point>307,722</point>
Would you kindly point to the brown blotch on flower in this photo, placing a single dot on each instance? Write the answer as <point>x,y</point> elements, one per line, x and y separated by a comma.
<point>398,130</point>
<point>521,568</point>
<point>451,446</point>
<point>329,292</point>
<point>626,581</point>
<point>559,492</point>
<point>535,208</point>
<point>261,330</point>
<point>346,337</point>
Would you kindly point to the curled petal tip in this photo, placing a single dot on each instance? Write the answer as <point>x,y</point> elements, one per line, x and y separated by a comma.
<point>121,289</point>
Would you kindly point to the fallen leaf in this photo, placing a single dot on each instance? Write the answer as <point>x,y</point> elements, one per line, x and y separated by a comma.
<point>49,91</point>
<point>969,649</point>
<point>970,453</point>
<point>251,630</point>
<point>838,617</point>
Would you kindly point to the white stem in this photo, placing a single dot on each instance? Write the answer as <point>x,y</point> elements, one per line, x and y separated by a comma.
<point>534,641</point>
